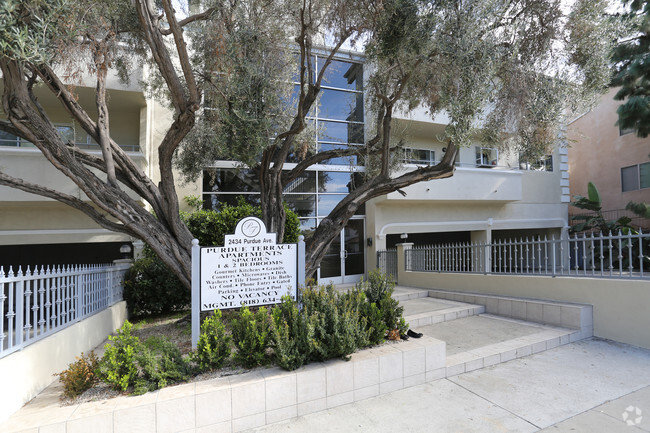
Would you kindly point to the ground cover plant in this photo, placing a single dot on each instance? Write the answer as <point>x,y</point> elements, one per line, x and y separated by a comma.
<point>323,324</point>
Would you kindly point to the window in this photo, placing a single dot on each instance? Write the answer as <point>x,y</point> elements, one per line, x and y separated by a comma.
<point>312,195</point>
<point>624,131</point>
<point>635,177</point>
<point>542,164</point>
<point>7,139</point>
<point>486,156</point>
<point>338,118</point>
<point>419,156</point>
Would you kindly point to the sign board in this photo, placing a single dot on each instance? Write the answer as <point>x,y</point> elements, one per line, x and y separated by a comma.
<point>249,269</point>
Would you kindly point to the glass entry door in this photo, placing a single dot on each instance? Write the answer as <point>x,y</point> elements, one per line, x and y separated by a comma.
<point>345,259</point>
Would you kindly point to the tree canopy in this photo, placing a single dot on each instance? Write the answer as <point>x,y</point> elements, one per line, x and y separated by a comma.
<point>502,70</point>
<point>632,69</point>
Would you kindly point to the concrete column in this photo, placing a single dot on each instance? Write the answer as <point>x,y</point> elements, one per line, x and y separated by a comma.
<point>401,259</point>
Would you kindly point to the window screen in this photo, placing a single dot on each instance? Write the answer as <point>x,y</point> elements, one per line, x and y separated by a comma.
<point>630,178</point>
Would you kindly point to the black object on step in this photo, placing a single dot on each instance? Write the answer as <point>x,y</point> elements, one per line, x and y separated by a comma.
<point>403,337</point>
<point>414,334</point>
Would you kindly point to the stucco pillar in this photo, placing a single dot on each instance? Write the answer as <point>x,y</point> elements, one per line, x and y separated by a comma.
<point>401,259</point>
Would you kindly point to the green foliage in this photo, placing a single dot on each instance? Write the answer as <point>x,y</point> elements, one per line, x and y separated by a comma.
<point>151,288</point>
<point>379,290</point>
<point>376,286</point>
<point>160,364</point>
<point>30,29</point>
<point>640,209</point>
<point>80,375</point>
<point>118,366</point>
<point>595,219</point>
<point>632,69</point>
<point>128,363</point>
<point>291,335</point>
<point>213,347</point>
<point>339,328</point>
<point>251,335</point>
<point>375,323</point>
<point>210,226</point>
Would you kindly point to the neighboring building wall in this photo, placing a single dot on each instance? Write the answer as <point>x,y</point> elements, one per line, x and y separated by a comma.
<point>598,152</point>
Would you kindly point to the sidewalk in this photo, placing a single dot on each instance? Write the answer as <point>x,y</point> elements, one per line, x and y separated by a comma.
<point>585,386</point>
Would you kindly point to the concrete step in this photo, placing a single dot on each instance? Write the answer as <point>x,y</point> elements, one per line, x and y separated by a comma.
<point>420,312</point>
<point>484,340</point>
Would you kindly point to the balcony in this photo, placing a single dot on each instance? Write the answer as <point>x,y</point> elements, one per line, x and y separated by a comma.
<point>468,184</point>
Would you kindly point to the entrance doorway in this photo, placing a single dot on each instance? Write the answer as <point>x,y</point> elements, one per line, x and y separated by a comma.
<point>345,260</point>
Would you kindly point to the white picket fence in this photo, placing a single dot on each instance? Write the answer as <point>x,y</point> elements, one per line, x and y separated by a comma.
<point>586,255</point>
<point>37,303</point>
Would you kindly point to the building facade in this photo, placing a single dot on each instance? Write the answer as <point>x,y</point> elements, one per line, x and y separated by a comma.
<point>615,160</point>
<point>492,195</point>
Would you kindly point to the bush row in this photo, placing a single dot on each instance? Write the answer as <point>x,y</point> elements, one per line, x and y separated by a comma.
<point>325,324</point>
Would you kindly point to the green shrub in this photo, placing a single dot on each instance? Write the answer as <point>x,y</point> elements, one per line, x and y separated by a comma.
<point>160,363</point>
<point>213,347</point>
<point>250,333</point>
<point>151,288</point>
<point>210,226</point>
<point>80,375</point>
<point>375,325</point>
<point>118,366</point>
<point>338,328</point>
<point>376,286</point>
<point>379,290</point>
<point>291,335</point>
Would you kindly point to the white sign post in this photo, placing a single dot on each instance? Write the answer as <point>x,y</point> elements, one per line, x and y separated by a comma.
<point>250,269</point>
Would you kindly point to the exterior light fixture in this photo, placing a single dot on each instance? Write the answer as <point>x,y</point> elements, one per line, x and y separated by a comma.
<point>125,250</point>
<point>403,236</point>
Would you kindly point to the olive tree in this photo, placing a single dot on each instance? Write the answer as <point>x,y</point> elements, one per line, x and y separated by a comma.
<point>505,69</point>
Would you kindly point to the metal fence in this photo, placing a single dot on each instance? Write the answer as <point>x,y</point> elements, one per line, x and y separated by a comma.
<point>586,255</point>
<point>35,304</point>
<point>387,262</point>
<point>612,215</point>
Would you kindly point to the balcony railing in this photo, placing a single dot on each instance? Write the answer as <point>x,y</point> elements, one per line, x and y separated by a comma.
<point>17,142</point>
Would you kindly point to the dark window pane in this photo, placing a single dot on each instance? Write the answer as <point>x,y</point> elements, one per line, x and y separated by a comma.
<point>215,201</point>
<point>330,266</point>
<point>344,75</point>
<point>326,203</point>
<point>230,180</point>
<point>344,160</point>
<point>340,132</point>
<point>644,173</point>
<point>305,183</point>
<point>630,178</point>
<point>336,181</point>
<point>302,204</point>
<point>354,247</point>
<point>7,139</point>
<point>335,104</point>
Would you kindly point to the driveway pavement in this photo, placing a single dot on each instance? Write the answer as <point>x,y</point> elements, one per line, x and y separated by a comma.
<point>588,386</point>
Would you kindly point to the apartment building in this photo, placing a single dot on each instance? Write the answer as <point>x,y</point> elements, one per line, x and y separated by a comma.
<point>615,160</point>
<point>492,195</point>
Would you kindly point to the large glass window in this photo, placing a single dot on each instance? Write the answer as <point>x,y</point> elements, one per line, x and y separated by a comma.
<point>338,116</point>
<point>312,195</point>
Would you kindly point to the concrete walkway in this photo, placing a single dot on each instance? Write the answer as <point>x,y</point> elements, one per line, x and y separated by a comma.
<point>588,386</point>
